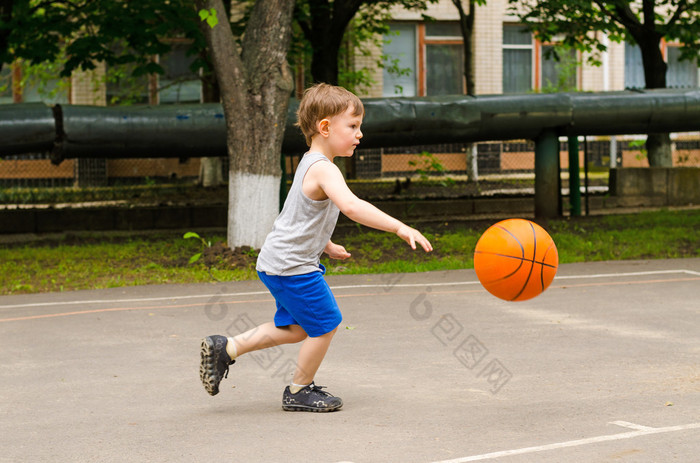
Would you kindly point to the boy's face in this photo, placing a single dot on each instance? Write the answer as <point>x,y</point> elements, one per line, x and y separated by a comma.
<point>344,132</point>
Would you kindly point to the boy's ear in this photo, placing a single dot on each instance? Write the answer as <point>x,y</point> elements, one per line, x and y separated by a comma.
<point>323,127</point>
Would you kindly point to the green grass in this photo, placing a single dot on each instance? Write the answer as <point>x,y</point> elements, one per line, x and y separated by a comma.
<point>107,260</point>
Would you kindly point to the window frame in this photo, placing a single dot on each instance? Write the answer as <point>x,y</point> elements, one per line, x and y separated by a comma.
<point>665,46</point>
<point>534,77</point>
<point>537,61</point>
<point>540,61</point>
<point>155,79</point>
<point>422,41</point>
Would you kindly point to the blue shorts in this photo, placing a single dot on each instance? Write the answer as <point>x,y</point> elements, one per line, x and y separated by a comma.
<point>304,300</point>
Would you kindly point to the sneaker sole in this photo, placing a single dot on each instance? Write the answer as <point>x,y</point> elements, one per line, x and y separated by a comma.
<point>306,408</point>
<point>207,364</point>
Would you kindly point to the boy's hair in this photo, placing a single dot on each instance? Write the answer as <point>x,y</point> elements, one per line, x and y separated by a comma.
<point>321,101</point>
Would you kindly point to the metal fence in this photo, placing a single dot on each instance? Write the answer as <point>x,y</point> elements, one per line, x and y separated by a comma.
<point>448,170</point>
<point>37,171</point>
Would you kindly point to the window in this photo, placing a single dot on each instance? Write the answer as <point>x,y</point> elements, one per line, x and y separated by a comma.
<point>179,84</point>
<point>634,69</point>
<point>6,84</point>
<point>51,91</point>
<point>400,62</point>
<point>531,65</point>
<point>122,86</point>
<point>445,68</point>
<point>558,74</point>
<point>444,59</point>
<point>424,59</point>
<point>518,48</point>
<point>680,74</point>
<point>26,83</point>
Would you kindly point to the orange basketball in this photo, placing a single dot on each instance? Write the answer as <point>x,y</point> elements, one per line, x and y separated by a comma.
<point>515,259</point>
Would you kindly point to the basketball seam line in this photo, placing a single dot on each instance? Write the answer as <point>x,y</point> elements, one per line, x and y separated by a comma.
<point>532,266</point>
<point>515,257</point>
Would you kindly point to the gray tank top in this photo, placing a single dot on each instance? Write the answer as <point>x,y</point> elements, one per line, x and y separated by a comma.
<point>301,231</point>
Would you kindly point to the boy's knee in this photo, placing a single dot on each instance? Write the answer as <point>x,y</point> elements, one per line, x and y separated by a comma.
<point>300,334</point>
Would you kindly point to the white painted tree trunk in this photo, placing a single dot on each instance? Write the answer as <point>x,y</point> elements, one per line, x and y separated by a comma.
<point>253,205</point>
<point>256,84</point>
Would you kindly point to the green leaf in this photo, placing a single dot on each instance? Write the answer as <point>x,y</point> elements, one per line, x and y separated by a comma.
<point>195,258</point>
<point>189,235</point>
<point>209,16</point>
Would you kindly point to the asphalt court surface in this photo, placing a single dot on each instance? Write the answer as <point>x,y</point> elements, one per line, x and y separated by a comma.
<point>604,366</point>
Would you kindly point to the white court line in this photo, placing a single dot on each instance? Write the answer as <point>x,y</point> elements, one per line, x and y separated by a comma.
<point>628,274</point>
<point>645,431</point>
<point>383,285</point>
<point>627,424</point>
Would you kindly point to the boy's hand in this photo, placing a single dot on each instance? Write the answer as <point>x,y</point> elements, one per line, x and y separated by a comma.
<point>413,237</point>
<point>336,251</point>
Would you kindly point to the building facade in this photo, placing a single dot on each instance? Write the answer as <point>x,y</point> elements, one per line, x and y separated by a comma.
<point>421,58</point>
<point>424,58</point>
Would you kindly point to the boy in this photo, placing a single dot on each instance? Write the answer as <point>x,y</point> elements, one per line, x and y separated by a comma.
<point>289,261</point>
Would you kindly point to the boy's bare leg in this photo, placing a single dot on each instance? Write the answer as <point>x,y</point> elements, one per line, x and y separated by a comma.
<point>264,336</point>
<point>303,395</point>
<point>311,354</point>
<point>218,352</point>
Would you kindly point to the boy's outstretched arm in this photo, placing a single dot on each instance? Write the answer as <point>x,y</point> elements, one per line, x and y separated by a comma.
<point>336,251</point>
<point>331,181</point>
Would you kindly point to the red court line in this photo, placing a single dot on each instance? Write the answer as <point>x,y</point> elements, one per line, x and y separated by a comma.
<point>124,309</point>
<point>386,293</point>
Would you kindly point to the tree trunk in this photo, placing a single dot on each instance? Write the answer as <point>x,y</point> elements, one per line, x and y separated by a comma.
<point>466,23</point>
<point>324,65</point>
<point>325,32</point>
<point>210,168</point>
<point>256,84</point>
<point>659,152</point>
<point>658,145</point>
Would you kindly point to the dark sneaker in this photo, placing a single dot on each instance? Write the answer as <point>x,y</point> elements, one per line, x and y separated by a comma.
<point>310,399</point>
<point>213,366</point>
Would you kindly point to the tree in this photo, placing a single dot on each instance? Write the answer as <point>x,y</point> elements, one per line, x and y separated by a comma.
<point>325,22</point>
<point>87,31</point>
<point>466,24</point>
<point>53,38</point>
<point>60,36</point>
<point>644,22</point>
<point>256,84</point>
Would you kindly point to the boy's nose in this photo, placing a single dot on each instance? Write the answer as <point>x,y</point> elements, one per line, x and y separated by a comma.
<point>359,134</point>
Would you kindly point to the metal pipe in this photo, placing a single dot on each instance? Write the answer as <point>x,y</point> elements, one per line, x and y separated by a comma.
<point>200,130</point>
